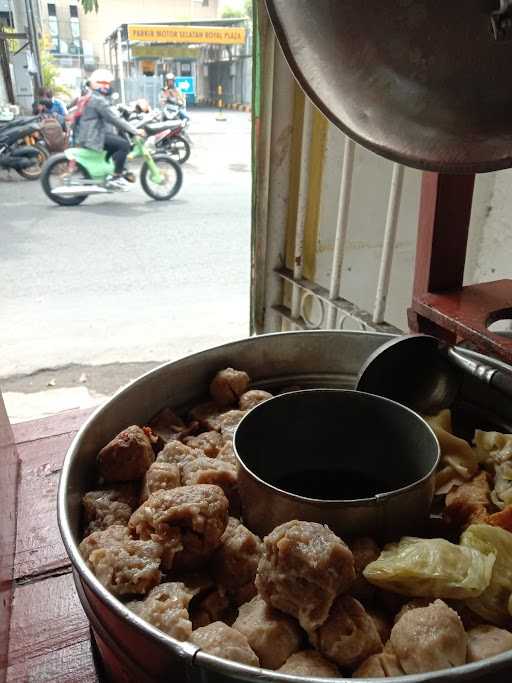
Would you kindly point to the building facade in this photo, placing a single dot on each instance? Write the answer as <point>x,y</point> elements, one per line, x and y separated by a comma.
<point>95,27</point>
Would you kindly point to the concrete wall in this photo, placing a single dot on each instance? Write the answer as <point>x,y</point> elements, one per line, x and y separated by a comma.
<point>490,241</point>
<point>95,27</point>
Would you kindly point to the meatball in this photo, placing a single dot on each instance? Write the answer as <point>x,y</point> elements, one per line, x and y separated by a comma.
<point>167,425</point>
<point>272,635</point>
<point>124,566</point>
<point>228,385</point>
<point>107,507</point>
<point>383,665</point>
<point>382,623</point>
<point>429,639</point>
<point>412,604</point>
<point>161,475</point>
<point>209,443</point>
<point>309,663</point>
<point>127,456</point>
<point>229,422</point>
<point>176,452</point>
<point>222,641</point>
<point>203,470</point>
<point>207,415</point>
<point>469,503</point>
<point>235,561</point>
<point>303,568</point>
<point>189,522</point>
<point>364,550</point>
<point>214,606</point>
<point>252,398</point>
<point>486,641</point>
<point>166,608</point>
<point>227,454</point>
<point>349,635</point>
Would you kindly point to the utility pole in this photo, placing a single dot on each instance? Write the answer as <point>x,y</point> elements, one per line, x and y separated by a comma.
<point>33,40</point>
<point>120,69</point>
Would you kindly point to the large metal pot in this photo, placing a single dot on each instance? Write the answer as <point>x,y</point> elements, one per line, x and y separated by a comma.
<point>134,651</point>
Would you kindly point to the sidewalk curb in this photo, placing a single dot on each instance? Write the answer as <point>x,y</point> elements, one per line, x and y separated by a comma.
<point>235,106</point>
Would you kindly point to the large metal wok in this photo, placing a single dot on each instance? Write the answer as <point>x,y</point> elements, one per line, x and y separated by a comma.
<point>423,82</point>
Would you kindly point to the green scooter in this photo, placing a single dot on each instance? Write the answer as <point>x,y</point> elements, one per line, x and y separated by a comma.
<point>69,178</point>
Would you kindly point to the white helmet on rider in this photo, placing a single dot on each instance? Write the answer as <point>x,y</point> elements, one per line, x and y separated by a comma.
<point>170,76</point>
<point>101,80</point>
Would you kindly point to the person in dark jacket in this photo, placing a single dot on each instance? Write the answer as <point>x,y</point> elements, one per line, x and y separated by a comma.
<point>98,124</point>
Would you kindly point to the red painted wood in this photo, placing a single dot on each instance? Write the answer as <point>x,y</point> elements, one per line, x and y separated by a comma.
<point>466,313</point>
<point>73,664</point>
<point>441,305</point>
<point>49,632</point>
<point>8,487</point>
<point>61,423</point>
<point>39,547</point>
<point>445,211</point>
<point>46,616</point>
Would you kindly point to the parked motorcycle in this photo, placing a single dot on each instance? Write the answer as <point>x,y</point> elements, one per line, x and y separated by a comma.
<point>69,178</point>
<point>22,148</point>
<point>176,143</point>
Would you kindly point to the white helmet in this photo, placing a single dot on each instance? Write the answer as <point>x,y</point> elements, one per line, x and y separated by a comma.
<point>100,78</point>
<point>170,76</point>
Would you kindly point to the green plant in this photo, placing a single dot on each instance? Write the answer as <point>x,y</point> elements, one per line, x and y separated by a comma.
<point>90,5</point>
<point>50,72</point>
<point>241,12</point>
<point>231,12</point>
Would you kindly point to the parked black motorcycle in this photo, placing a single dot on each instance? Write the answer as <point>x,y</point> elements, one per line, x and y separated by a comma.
<point>171,136</point>
<point>20,149</point>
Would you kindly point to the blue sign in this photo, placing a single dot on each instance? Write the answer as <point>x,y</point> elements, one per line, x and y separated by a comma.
<point>187,84</point>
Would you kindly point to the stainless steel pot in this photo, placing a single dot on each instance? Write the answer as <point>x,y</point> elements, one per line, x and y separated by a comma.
<point>368,439</point>
<point>134,651</point>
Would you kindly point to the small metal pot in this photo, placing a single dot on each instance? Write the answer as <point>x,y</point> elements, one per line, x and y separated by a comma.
<point>297,451</point>
<point>134,651</point>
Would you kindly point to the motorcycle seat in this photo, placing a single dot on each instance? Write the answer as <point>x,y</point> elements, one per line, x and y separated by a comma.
<point>163,125</point>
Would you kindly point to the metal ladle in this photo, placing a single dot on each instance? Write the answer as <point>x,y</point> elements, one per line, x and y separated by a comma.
<point>424,373</point>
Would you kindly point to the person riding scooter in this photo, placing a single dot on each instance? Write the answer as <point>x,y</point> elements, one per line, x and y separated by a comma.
<point>96,123</point>
<point>170,94</point>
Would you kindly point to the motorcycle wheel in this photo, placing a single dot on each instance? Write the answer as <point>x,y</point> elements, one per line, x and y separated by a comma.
<point>55,169</point>
<point>34,172</point>
<point>173,178</point>
<point>179,149</point>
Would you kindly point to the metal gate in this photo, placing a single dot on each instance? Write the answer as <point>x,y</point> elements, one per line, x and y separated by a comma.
<point>299,250</point>
<point>335,225</point>
<point>137,87</point>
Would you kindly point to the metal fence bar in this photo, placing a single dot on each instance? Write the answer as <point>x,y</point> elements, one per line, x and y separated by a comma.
<point>341,227</point>
<point>388,245</point>
<point>345,308</point>
<point>298,264</point>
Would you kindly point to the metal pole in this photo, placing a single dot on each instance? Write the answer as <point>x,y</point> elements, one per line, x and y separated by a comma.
<point>120,69</point>
<point>341,227</point>
<point>388,245</point>
<point>298,267</point>
<point>220,102</point>
<point>33,39</point>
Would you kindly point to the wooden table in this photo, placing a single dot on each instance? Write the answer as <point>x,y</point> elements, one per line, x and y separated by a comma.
<point>49,633</point>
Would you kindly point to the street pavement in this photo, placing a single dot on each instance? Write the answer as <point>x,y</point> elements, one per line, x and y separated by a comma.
<point>97,294</point>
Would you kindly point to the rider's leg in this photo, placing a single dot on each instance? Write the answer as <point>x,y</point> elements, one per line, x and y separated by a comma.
<point>118,148</point>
